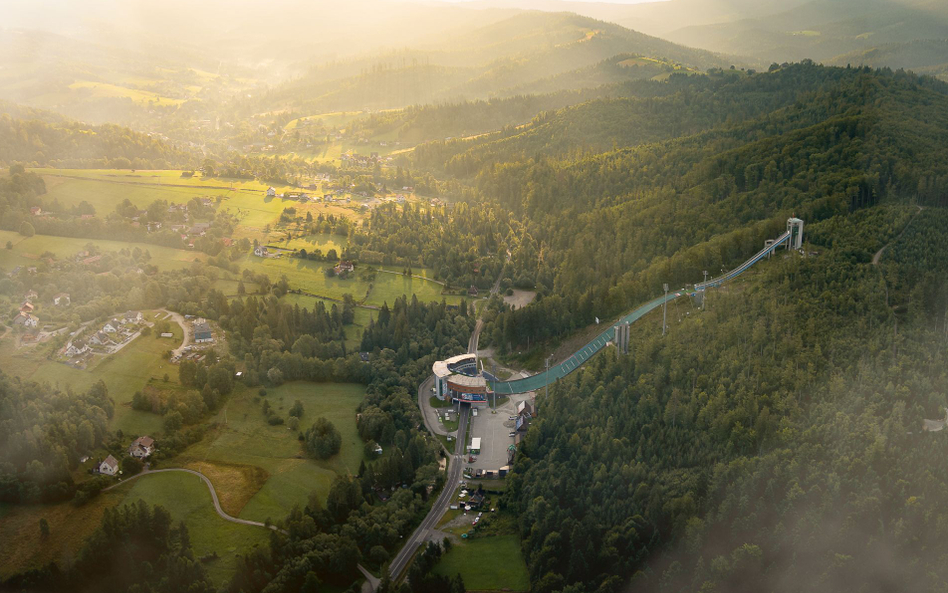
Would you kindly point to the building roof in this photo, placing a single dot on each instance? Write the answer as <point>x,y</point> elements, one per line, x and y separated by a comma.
<point>476,443</point>
<point>111,462</point>
<point>144,441</point>
<point>466,381</point>
<point>440,367</point>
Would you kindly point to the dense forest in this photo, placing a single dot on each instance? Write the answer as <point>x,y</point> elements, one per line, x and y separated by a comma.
<point>771,439</point>
<point>602,232</point>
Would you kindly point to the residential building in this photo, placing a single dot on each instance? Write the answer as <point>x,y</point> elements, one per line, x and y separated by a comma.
<point>261,251</point>
<point>202,332</point>
<point>142,447</point>
<point>344,267</point>
<point>61,299</point>
<point>25,320</point>
<point>271,193</point>
<point>109,466</point>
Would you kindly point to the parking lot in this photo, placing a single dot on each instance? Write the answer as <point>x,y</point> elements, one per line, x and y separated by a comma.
<point>494,431</point>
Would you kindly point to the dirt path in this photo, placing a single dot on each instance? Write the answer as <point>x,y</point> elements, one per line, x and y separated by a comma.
<point>371,582</point>
<point>179,319</point>
<point>878,255</point>
<point>217,502</point>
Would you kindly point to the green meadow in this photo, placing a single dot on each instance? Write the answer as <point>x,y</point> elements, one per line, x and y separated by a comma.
<point>187,498</point>
<point>243,437</point>
<point>491,563</point>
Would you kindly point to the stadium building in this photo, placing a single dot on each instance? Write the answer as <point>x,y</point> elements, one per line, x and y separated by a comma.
<point>458,379</point>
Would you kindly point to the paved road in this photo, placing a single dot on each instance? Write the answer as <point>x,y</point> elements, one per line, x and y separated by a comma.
<point>455,467</point>
<point>440,506</point>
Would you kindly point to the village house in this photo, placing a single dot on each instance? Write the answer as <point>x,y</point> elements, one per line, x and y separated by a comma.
<point>100,339</point>
<point>133,317</point>
<point>76,348</point>
<point>30,295</point>
<point>202,332</point>
<point>472,291</point>
<point>36,210</point>
<point>199,228</point>
<point>109,466</point>
<point>271,193</point>
<point>111,327</point>
<point>61,299</point>
<point>344,267</point>
<point>91,260</point>
<point>227,242</point>
<point>261,251</point>
<point>27,307</point>
<point>142,447</point>
<point>25,320</point>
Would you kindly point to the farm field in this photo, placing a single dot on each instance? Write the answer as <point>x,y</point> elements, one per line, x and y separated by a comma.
<point>124,373</point>
<point>489,563</point>
<point>27,250</point>
<point>187,498</point>
<point>106,188</point>
<point>243,439</point>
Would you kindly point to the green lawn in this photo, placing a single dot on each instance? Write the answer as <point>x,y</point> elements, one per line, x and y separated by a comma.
<point>124,373</point>
<point>487,564</point>
<point>187,498</point>
<point>246,439</point>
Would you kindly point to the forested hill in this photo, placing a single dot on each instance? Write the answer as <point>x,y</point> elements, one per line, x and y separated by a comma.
<point>771,442</point>
<point>602,232</point>
<point>42,140</point>
<point>823,30</point>
<point>537,52</point>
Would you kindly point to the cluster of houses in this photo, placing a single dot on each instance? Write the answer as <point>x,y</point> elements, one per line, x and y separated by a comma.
<point>140,448</point>
<point>26,318</point>
<point>116,331</point>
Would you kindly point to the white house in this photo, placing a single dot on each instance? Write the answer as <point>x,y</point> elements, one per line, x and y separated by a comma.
<point>26,320</point>
<point>61,299</point>
<point>261,251</point>
<point>111,327</point>
<point>76,348</point>
<point>109,466</point>
<point>133,317</point>
<point>142,447</point>
<point>271,193</point>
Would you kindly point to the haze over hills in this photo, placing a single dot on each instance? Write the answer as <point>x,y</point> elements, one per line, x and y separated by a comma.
<point>826,30</point>
<point>271,248</point>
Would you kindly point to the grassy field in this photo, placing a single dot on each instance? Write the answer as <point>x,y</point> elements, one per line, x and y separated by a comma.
<point>187,498</point>
<point>106,90</point>
<point>68,527</point>
<point>487,564</point>
<point>124,373</point>
<point>106,188</point>
<point>26,251</point>
<point>243,439</point>
<point>310,276</point>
